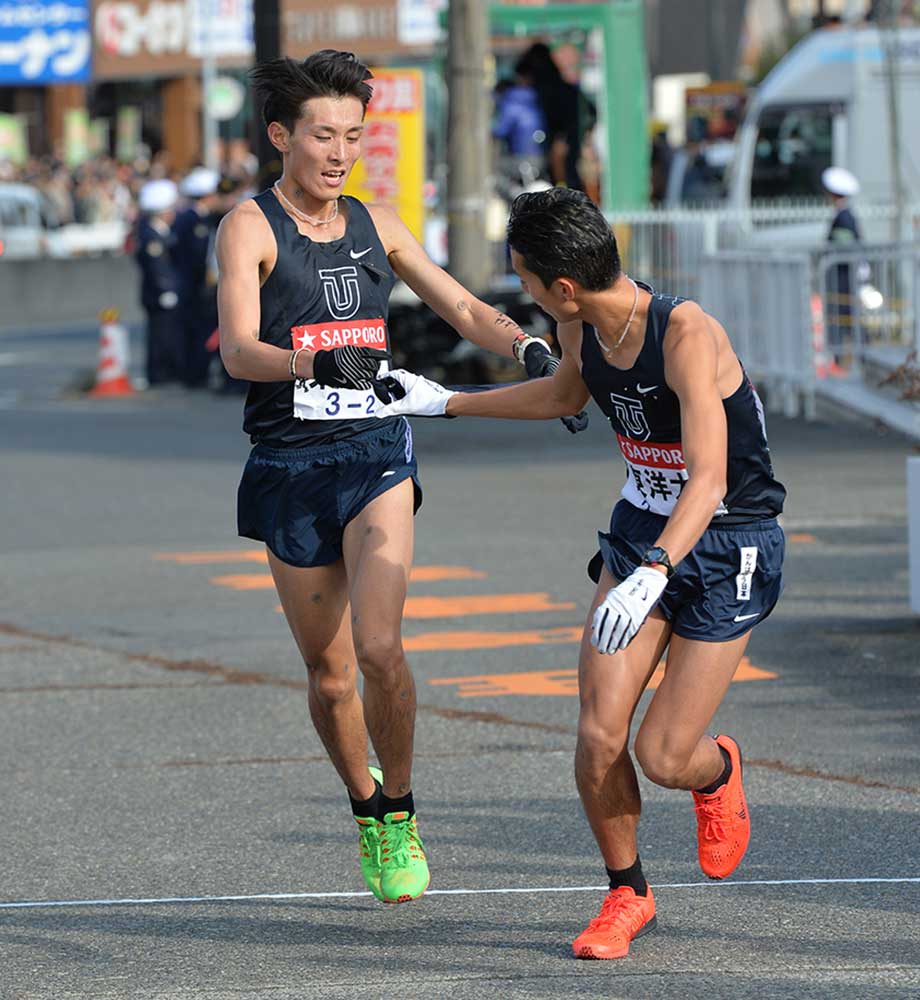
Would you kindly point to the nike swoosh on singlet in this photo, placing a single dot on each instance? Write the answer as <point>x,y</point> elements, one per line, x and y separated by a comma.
<point>355,256</point>
<point>644,389</point>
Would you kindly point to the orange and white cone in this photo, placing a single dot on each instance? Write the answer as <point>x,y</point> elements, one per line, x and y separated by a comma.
<point>818,338</point>
<point>825,363</point>
<point>112,368</point>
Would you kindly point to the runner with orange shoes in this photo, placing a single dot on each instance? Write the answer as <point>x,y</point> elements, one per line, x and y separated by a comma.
<point>692,559</point>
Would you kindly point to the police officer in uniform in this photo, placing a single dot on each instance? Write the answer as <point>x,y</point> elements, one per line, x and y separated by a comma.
<point>692,559</point>
<point>843,234</point>
<point>159,281</point>
<point>195,228</point>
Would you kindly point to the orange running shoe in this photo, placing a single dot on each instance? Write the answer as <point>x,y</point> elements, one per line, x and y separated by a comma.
<point>624,916</point>
<point>723,825</point>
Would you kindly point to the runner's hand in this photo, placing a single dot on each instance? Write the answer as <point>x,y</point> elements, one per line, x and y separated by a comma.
<point>404,393</point>
<point>347,367</point>
<point>576,424</point>
<point>621,614</point>
<point>538,359</point>
<point>539,363</point>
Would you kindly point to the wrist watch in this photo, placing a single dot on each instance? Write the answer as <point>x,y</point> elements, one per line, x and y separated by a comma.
<point>656,556</point>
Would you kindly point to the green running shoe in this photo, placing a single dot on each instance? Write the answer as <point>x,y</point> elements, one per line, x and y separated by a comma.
<point>369,844</point>
<point>403,868</point>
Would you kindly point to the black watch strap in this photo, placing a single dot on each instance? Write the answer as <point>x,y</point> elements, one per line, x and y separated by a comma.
<point>657,556</point>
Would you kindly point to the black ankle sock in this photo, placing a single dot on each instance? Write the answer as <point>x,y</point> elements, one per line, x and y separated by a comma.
<point>403,804</point>
<point>367,807</point>
<point>723,777</point>
<point>631,876</point>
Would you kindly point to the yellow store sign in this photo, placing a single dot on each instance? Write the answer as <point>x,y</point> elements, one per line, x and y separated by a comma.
<point>392,164</point>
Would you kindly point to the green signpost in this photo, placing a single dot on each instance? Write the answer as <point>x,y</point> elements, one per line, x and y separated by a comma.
<point>622,100</point>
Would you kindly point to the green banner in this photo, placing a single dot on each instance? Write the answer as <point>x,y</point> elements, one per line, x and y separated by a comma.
<point>76,136</point>
<point>127,133</point>
<point>14,145</point>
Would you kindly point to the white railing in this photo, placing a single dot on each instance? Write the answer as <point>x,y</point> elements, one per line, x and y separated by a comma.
<point>762,298</point>
<point>802,319</point>
<point>666,247</point>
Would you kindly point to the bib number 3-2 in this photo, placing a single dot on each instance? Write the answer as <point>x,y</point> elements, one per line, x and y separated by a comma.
<point>314,402</point>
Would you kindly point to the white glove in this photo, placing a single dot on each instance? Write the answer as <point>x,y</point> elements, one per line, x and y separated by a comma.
<point>621,614</point>
<point>406,394</point>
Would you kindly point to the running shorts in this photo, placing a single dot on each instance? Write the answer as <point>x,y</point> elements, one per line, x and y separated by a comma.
<point>299,500</point>
<point>730,580</point>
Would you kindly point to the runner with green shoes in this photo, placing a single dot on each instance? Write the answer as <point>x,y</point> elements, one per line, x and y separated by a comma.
<point>403,866</point>
<point>369,836</point>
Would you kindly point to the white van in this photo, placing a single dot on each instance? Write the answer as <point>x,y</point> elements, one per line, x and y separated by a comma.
<point>826,103</point>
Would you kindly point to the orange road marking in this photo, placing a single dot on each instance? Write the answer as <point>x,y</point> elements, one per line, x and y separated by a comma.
<point>423,574</point>
<point>204,558</point>
<point>430,641</point>
<point>481,604</point>
<point>428,574</point>
<point>420,574</point>
<point>245,581</point>
<point>485,604</point>
<point>802,538</point>
<point>565,682</point>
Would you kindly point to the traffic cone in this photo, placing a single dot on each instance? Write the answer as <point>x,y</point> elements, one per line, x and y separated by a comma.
<point>112,368</point>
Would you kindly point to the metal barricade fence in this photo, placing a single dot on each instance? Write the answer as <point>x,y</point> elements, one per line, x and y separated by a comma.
<point>798,317</point>
<point>870,300</point>
<point>762,298</point>
<point>666,246</point>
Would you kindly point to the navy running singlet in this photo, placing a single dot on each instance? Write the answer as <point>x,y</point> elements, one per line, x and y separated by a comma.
<point>645,414</point>
<point>319,296</point>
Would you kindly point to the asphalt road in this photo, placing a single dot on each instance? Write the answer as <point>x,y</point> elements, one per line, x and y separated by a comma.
<point>155,750</point>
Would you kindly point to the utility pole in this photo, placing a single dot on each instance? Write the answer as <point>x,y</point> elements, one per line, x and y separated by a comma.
<point>267,36</point>
<point>209,129</point>
<point>888,29</point>
<point>468,144</point>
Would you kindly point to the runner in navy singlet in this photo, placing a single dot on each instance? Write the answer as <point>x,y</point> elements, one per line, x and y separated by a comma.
<point>305,276</point>
<point>692,558</point>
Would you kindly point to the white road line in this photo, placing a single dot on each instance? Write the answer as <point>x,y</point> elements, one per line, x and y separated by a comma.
<point>168,900</point>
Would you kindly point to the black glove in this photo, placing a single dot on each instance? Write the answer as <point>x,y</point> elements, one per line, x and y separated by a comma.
<point>577,423</point>
<point>347,367</point>
<point>387,388</point>
<point>540,363</point>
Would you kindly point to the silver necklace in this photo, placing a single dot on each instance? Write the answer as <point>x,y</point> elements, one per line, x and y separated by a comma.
<point>303,215</point>
<point>603,346</point>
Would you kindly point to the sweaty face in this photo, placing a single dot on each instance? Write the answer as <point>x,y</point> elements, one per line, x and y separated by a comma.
<point>324,145</point>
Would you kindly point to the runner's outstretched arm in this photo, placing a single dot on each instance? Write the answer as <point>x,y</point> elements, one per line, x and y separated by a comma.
<point>561,394</point>
<point>473,319</point>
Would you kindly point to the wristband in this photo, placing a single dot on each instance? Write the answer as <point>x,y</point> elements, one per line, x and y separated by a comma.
<point>520,344</point>
<point>293,363</point>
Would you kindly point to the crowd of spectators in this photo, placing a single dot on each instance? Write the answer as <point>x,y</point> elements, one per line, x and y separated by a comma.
<point>103,189</point>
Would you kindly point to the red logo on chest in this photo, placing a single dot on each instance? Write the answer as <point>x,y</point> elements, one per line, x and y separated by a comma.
<point>340,333</point>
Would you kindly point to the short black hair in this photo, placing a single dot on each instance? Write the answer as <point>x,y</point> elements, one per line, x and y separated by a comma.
<point>561,233</point>
<point>282,85</point>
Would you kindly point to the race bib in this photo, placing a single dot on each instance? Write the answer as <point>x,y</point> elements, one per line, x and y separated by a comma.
<point>314,402</point>
<point>656,474</point>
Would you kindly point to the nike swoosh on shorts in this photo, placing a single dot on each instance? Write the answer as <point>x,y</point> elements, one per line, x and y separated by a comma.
<point>744,618</point>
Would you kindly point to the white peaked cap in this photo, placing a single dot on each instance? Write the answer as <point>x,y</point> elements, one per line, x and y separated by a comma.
<point>199,182</point>
<point>841,182</point>
<point>157,196</point>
